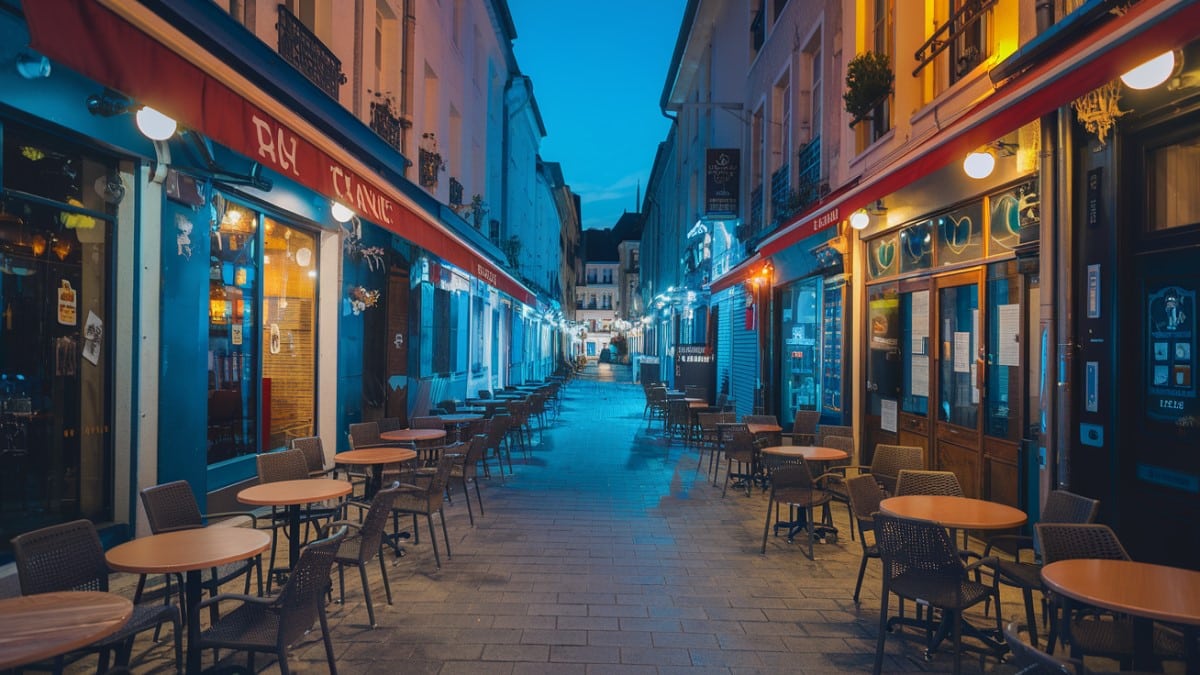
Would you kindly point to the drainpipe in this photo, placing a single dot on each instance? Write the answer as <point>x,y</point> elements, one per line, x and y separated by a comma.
<point>408,27</point>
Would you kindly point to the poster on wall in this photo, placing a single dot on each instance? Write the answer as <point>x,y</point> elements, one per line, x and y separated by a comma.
<point>1171,357</point>
<point>884,327</point>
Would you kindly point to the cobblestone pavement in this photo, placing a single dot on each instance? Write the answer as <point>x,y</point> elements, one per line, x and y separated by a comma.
<point>608,552</point>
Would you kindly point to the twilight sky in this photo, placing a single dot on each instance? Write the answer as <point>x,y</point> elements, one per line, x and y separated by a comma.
<point>598,70</point>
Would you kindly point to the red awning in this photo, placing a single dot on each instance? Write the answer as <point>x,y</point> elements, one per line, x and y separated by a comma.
<point>1149,28</point>
<point>100,44</point>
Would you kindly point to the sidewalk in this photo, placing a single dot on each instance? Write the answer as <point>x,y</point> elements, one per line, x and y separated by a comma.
<point>608,552</point>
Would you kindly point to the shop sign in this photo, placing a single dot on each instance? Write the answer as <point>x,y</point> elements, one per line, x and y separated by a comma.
<point>722,176</point>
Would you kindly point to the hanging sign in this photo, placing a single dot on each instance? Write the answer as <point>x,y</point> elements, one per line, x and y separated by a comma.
<point>722,174</point>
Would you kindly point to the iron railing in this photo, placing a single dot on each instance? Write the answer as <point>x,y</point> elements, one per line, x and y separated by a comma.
<point>456,192</point>
<point>307,54</point>
<point>388,125</point>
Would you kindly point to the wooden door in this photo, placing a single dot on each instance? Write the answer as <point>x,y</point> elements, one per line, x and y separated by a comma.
<point>396,337</point>
<point>959,372</point>
<point>1005,381</point>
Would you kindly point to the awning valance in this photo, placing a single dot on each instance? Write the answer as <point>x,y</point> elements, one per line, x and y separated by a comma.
<point>104,46</point>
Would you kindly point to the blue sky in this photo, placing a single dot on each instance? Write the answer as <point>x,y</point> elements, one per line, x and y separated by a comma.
<point>598,69</point>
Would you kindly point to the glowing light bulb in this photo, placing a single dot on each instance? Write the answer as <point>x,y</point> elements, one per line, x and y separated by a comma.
<point>1151,73</point>
<point>979,164</point>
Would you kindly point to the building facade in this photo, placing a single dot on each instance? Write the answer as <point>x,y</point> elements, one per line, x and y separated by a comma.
<point>291,255</point>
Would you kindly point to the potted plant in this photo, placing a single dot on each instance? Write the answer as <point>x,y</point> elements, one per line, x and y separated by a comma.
<point>869,80</point>
<point>431,163</point>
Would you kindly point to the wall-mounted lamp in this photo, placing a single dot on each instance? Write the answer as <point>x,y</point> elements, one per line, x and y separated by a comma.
<point>155,125</point>
<point>859,220</point>
<point>340,212</point>
<point>1153,72</point>
<point>151,123</point>
<point>32,66</point>
<point>981,163</point>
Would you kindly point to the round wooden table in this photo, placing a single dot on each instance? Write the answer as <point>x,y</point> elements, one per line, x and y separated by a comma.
<point>812,453</point>
<point>454,422</point>
<point>413,435</point>
<point>36,627</point>
<point>955,512</point>
<point>375,458</point>
<point>756,429</point>
<point>189,552</point>
<point>1143,590</point>
<point>293,494</point>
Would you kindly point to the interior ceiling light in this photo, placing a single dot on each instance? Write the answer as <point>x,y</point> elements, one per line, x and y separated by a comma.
<point>155,125</point>
<point>979,164</point>
<point>1151,73</point>
<point>859,220</point>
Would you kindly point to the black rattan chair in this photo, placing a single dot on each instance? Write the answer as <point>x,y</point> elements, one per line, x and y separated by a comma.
<point>416,500</point>
<point>364,542</point>
<point>921,564</point>
<point>465,467</point>
<point>792,484</point>
<point>738,445</point>
<point>273,624</point>
<point>280,466</point>
<point>1060,507</point>
<point>172,506</point>
<point>69,557</point>
<point>864,495</point>
<point>365,435</point>
<point>804,428</point>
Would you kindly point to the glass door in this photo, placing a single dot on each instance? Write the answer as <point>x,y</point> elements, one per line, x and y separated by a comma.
<point>800,358</point>
<point>916,347</point>
<point>883,367</point>
<point>959,378</point>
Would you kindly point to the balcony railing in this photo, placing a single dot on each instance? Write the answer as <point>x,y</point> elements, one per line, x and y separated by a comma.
<point>756,209</point>
<point>389,125</point>
<point>781,185</point>
<point>307,54</point>
<point>430,165</point>
<point>456,192</point>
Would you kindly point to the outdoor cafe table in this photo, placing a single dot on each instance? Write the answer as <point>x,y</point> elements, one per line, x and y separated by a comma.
<point>36,627</point>
<point>293,494</point>
<point>191,551</point>
<point>955,513</point>
<point>810,453</point>
<point>456,421</point>
<point>1145,591</point>
<point>488,404</point>
<point>413,435</point>
<point>375,458</point>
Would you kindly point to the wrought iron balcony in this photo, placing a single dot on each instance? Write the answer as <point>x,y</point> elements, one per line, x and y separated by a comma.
<point>307,54</point>
<point>430,166</point>
<point>456,192</point>
<point>781,185</point>
<point>389,125</point>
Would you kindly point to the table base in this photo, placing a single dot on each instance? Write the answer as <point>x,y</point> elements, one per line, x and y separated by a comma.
<point>989,638</point>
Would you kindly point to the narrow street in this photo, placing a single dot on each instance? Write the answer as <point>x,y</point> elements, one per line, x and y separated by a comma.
<point>607,552</point>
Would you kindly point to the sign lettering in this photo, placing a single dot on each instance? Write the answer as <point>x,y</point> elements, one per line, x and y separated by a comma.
<point>276,144</point>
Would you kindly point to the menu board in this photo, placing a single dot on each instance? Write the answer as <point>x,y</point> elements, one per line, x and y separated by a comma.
<point>1172,355</point>
<point>831,355</point>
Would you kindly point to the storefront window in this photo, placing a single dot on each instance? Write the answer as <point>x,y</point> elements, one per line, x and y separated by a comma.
<point>56,219</point>
<point>801,355</point>
<point>916,247</point>
<point>959,234</point>
<point>1003,351</point>
<point>290,332</point>
<point>958,311</point>
<point>1011,210</point>
<point>881,256</point>
<point>1173,170</point>
<point>276,338</point>
<point>914,350</point>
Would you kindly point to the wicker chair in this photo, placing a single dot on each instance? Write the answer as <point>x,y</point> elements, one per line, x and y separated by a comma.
<point>824,431</point>
<point>172,506</point>
<point>365,435</point>
<point>449,405</point>
<point>314,455</point>
<point>738,445</point>
<point>834,480</point>
<point>363,542</point>
<point>272,624</point>
<point>425,500</point>
<point>280,466</point>
<point>920,563</point>
<point>656,405</point>
<point>498,444</point>
<point>864,494</point>
<point>465,466</point>
<point>1094,633</point>
<point>1060,507</point>
<point>69,557</point>
<point>804,428</point>
<point>792,484</point>
<point>386,424</point>
<point>886,463</point>
<point>1033,661</point>
<point>679,417</point>
<point>914,482</point>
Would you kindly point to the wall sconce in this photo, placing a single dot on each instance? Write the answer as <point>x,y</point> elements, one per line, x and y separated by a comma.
<point>151,123</point>
<point>1153,72</point>
<point>32,66</point>
<point>859,220</point>
<point>981,163</point>
<point>155,125</point>
<point>340,212</point>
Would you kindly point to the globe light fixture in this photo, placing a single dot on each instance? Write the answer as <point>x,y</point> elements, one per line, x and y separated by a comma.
<point>155,125</point>
<point>1151,73</point>
<point>979,164</point>
<point>859,220</point>
<point>341,212</point>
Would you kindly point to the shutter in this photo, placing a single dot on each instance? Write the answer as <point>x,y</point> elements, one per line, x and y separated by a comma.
<point>743,379</point>
<point>724,344</point>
